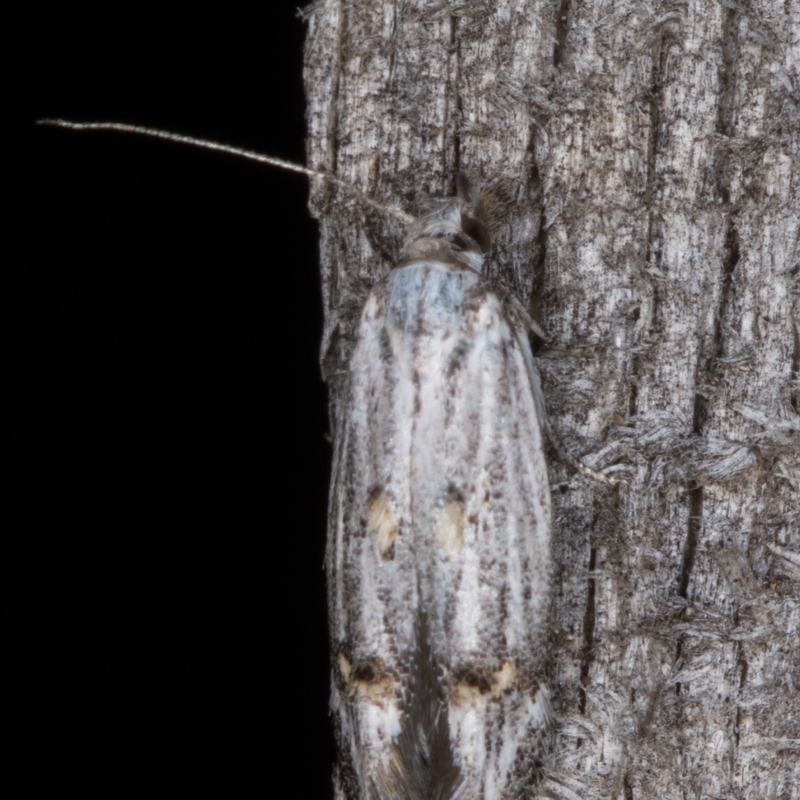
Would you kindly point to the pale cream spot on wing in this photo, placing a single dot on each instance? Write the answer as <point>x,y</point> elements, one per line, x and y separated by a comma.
<point>505,678</point>
<point>450,533</point>
<point>465,694</point>
<point>382,523</point>
<point>378,689</point>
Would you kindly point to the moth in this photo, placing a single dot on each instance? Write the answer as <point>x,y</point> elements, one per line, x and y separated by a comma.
<point>438,554</point>
<point>438,557</point>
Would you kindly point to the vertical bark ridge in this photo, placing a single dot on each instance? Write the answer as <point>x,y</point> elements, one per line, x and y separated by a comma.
<point>739,362</point>
<point>601,140</point>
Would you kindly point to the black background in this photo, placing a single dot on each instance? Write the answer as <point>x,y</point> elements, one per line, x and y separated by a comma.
<point>168,334</point>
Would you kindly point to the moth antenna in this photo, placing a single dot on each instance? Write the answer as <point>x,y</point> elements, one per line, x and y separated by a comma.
<point>156,133</point>
<point>579,466</point>
<point>469,194</point>
<point>526,321</point>
<point>566,456</point>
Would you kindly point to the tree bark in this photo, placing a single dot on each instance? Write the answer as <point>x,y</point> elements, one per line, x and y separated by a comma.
<point>651,153</point>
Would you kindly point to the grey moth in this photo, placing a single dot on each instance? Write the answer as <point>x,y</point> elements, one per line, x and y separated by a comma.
<point>438,556</point>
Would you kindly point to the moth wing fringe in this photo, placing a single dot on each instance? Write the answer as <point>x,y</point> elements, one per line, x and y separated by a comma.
<point>423,765</point>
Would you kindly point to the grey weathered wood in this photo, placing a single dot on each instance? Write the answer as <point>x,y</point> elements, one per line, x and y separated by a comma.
<point>652,151</point>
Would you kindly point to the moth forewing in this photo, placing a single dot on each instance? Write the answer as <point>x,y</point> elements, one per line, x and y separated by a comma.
<point>439,548</point>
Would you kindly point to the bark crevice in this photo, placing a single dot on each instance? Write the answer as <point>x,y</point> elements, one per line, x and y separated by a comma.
<point>588,629</point>
<point>455,51</point>
<point>653,251</point>
<point>689,551</point>
<point>562,26</point>
<point>692,534</point>
<point>332,150</point>
<point>626,783</point>
<point>795,401</point>
<point>741,663</point>
<point>540,258</point>
<point>727,77</point>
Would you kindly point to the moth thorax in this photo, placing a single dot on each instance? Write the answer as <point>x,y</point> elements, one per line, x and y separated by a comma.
<point>452,234</point>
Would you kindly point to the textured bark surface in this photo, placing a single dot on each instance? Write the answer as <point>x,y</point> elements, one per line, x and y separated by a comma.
<point>652,154</point>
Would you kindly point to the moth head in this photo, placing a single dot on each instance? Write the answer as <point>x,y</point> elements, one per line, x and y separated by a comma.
<point>456,232</point>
